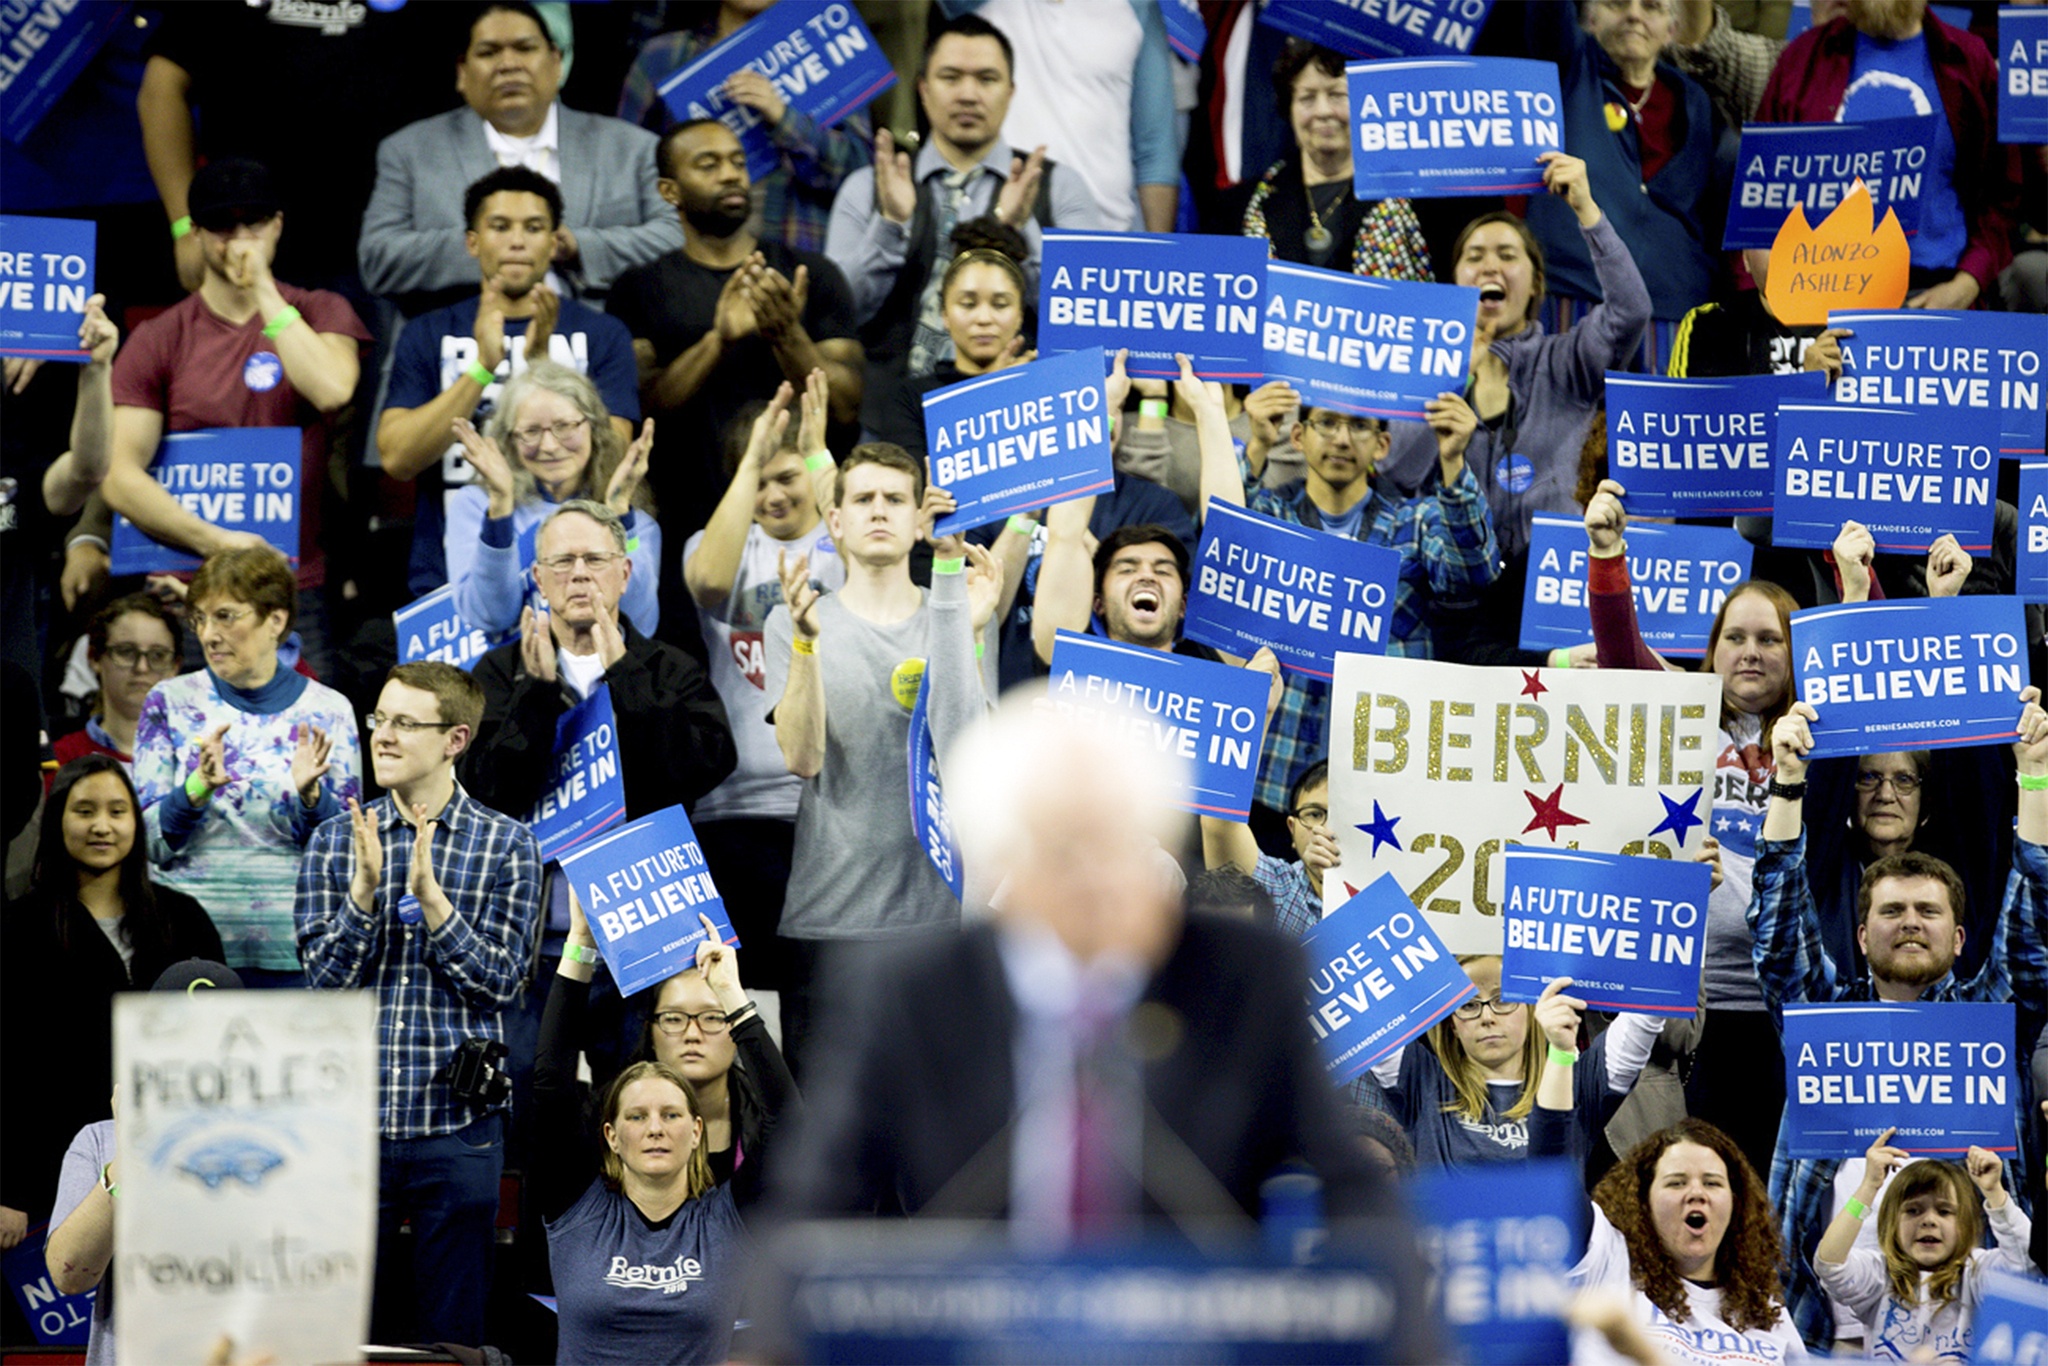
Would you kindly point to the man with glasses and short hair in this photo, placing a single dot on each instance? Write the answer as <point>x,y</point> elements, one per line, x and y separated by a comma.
<point>430,899</point>
<point>1296,887</point>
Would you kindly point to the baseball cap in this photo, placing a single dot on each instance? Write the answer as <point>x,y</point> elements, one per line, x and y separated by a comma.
<point>194,973</point>
<point>230,191</point>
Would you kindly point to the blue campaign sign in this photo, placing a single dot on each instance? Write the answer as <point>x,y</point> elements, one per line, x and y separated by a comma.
<point>2031,576</point>
<point>1817,164</point>
<point>642,888</point>
<point>929,824</point>
<point>1378,976</point>
<point>1917,673</point>
<point>1305,593</point>
<point>1943,361</point>
<point>1157,294</point>
<point>1502,1241</point>
<point>1941,1073</point>
<point>1020,438</point>
<point>2022,54</point>
<point>1209,714</point>
<point>236,478</point>
<point>1911,475</point>
<point>46,275</point>
<point>429,627</point>
<point>1436,127</point>
<point>585,796</point>
<point>2010,1327</point>
<point>1379,348</point>
<point>1381,28</point>
<point>1698,447</point>
<point>46,47</point>
<point>1631,933</point>
<point>1680,576</point>
<point>56,1320</point>
<point>822,60</point>
<point>1185,31</point>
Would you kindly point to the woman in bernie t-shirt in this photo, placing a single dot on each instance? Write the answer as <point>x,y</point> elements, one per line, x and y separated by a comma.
<point>648,1252</point>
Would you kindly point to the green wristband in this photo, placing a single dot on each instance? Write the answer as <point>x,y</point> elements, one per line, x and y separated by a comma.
<point>577,953</point>
<point>276,326</point>
<point>948,566</point>
<point>1024,526</point>
<point>822,460</point>
<point>485,378</point>
<point>196,787</point>
<point>1561,658</point>
<point>181,227</point>
<point>2032,782</point>
<point>1855,1208</point>
<point>1561,1058</point>
<point>1153,407</point>
<point>980,649</point>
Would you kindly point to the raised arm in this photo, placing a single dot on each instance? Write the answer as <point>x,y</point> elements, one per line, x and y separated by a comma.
<point>74,475</point>
<point>1221,476</point>
<point>568,1157</point>
<point>1066,576</point>
<point>1792,961</point>
<point>1615,633</point>
<point>790,644</point>
<point>711,568</point>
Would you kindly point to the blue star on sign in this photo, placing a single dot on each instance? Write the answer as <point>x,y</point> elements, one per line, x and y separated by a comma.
<point>1382,829</point>
<point>1678,817</point>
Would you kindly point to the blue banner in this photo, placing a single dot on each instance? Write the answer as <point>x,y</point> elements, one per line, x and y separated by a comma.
<point>929,823</point>
<point>1942,1074</point>
<point>2031,574</point>
<point>46,275</point>
<point>56,1320</point>
<point>1378,348</point>
<point>1679,575</point>
<point>1449,126</point>
<point>1211,715</point>
<point>821,58</point>
<point>1019,439</point>
<point>1377,977</point>
<point>2010,1327</point>
<point>1940,361</point>
<point>43,48</point>
<point>1305,593</point>
<point>1910,475</point>
<point>235,478</point>
<point>585,795</point>
<point>1817,164</point>
<point>1186,34</point>
<point>1631,933</point>
<point>1502,1240</point>
<point>1158,294</point>
<point>642,888</point>
<point>1919,673</point>
<point>1698,447</point>
<point>429,627</point>
<point>1381,28</point>
<point>2022,52</point>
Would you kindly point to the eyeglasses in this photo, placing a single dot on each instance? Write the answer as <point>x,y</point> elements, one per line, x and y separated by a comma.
<point>674,1022</point>
<point>1903,784</point>
<point>566,564</point>
<point>528,438</point>
<point>1311,815</point>
<point>1330,424</point>
<point>404,725</point>
<point>224,617</point>
<point>1470,1010</point>
<point>159,658</point>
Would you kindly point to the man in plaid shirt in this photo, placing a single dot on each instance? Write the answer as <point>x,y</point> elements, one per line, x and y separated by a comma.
<point>438,919</point>
<point>1910,910</point>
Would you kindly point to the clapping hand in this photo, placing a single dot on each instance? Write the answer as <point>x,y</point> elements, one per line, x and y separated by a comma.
<point>310,754</point>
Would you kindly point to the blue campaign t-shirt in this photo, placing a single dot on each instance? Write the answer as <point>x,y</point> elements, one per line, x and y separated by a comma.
<point>1345,524</point>
<point>1896,81</point>
<point>437,347</point>
<point>640,1293</point>
<point>1445,1138</point>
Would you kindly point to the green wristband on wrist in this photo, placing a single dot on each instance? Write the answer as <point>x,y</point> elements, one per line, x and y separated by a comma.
<point>1561,658</point>
<point>181,227</point>
<point>2032,782</point>
<point>484,377</point>
<point>1024,526</point>
<point>1855,1208</point>
<point>1560,1057</point>
<point>276,326</point>
<point>1153,407</point>
<point>980,649</point>
<point>821,461</point>
<point>196,787</point>
<point>577,953</point>
<point>953,566</point>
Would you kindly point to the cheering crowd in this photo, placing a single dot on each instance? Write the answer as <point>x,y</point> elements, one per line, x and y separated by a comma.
<point>644,403</point>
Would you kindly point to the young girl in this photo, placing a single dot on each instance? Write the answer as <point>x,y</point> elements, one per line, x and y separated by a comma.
<point>1919,1288</point>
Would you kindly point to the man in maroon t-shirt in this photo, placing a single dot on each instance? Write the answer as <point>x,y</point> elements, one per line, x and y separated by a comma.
<point>244,350</point>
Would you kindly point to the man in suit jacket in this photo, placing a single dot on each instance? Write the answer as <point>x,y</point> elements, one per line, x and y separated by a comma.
<point>508,75</point>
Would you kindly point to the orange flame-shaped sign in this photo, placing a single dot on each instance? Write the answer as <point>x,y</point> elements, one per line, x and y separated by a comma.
<point>1842,263</point>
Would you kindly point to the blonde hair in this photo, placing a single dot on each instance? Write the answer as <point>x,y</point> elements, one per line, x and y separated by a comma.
<point>1465,1075</point>
<point>1902,1273</point>
<point>698,1175</point>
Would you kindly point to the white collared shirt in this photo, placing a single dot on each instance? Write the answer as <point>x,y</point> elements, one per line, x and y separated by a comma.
<point>540,153</point>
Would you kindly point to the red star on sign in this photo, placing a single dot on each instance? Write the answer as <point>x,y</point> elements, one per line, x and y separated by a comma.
<point>1532,684</point>
<point>1550,813</point>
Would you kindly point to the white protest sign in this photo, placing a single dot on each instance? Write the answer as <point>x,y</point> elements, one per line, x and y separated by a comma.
<point>247,1140</point>
<point>1435,768</point>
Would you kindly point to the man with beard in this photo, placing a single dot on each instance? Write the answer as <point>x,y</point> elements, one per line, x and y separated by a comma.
<point>1909,913</point>
<point>453,362</point>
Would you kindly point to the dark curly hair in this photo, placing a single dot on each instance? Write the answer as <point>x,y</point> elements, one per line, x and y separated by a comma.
<point>1747,1265</point>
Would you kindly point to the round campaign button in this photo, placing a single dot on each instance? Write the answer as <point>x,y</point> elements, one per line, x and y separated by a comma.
<point>263,371</point>
<point>904,682</point>
<point>410,912</point>
<point>1514,472</point>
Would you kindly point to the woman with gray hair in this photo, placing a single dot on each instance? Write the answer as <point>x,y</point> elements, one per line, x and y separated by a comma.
<point>559,430</point>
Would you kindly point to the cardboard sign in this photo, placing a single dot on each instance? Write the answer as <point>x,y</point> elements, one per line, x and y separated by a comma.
<point>1698,447</point>
<point>2022,53</point>
<point>1159,294</point>
<point>2010,1327</point>
<point>586,796</point>
<point>1437,127</point>
<point>1186,34</point>
<point>1919,673</point>
<point>1209,714</point>
<point>1631,933</point>
<point>248,1151</point>
<point>1434,768</point>
<point>46,47</point>
<point>1941,1073</point>
<point>642,888</point>
<point>1910,475</point>
<point>1502,1241</point>
<point>56,1320</point>
<point>2031,574</point>
<point>1019,439</point>
<point>46,275</point>
<point>1378,348</point>
<point>929,823</point>
<point>1851,260</point>
<point>1679,576</point>
<point>1377,978</point>
<point>821,58</point>
<point>1941,361</point>
<point>1817,166</point>
<point>429,627</point>
<point>1305,593</point>
<point>1375,28</point>
<point>235,478</point>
